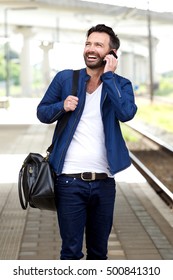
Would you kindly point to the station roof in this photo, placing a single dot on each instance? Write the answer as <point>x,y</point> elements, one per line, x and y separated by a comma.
<point>76,16</point>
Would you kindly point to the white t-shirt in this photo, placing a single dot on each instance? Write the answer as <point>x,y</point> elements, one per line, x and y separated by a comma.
<point>87,152</point>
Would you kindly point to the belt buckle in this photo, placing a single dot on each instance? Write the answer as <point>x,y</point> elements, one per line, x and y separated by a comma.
<point>93,176</point>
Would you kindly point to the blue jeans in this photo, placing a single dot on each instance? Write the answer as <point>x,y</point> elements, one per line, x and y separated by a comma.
<point>84,207</point>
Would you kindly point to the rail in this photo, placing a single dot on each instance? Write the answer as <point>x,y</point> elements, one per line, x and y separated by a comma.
<point>161,189</point>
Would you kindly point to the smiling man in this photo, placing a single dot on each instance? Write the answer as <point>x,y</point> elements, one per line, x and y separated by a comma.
<point>91,149</point>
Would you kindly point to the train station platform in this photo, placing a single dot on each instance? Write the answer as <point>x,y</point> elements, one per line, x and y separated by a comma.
<point>142,227</point>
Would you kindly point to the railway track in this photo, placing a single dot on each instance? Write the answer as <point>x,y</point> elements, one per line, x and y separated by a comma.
<point>154,160</point>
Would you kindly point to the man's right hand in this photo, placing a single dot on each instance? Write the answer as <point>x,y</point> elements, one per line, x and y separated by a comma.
<point>70,103</point>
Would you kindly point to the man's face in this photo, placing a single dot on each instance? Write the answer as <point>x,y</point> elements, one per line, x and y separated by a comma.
<point>96,48</point>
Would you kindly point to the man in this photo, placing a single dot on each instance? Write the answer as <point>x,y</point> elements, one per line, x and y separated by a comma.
<point>91,149</point>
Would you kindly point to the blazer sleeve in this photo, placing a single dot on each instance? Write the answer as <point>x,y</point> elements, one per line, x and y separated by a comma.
<point>120,91</point>
<point>51,107</point>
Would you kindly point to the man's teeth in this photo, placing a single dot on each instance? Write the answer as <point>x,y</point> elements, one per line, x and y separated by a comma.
<point>91,56</point>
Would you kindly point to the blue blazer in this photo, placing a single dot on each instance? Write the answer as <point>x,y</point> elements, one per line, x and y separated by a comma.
<point>117,104</point>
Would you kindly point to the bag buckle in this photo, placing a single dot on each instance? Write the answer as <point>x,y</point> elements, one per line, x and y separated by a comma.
<point>91,178</point>
<point>47,156</point>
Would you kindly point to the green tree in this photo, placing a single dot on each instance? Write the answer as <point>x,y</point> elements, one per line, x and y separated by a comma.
<point>14,67</point>
<point>2,67</point>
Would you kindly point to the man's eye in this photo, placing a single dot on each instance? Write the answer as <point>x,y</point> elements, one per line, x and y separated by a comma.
<point>99,45</point>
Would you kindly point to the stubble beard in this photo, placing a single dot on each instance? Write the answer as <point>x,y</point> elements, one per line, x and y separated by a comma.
<point>93,65</point>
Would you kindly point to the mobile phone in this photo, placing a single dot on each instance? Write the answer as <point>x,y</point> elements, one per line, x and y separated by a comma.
<point>113,53</point>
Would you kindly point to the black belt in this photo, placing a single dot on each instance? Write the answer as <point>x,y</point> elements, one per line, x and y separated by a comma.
<point>88,176</point>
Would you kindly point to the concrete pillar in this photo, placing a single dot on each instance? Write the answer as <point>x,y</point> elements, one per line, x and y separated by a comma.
<point>46,47</point>
<point>26,70</point>
<point>128,65</point>
<point>141,69</point>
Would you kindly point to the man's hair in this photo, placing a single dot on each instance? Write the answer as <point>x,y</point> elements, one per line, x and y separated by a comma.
<point>114,40</point>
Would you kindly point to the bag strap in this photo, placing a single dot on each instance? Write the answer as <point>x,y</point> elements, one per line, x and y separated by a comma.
<point>23,201</point>
<point>62,124</point>
<point>75,81</point>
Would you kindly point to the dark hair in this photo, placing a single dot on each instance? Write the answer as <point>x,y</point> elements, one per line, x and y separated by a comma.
<point>114,40</point>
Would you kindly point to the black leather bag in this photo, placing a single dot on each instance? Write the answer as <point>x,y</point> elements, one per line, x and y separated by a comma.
<point>36,178</point>
<point>36,183</point>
